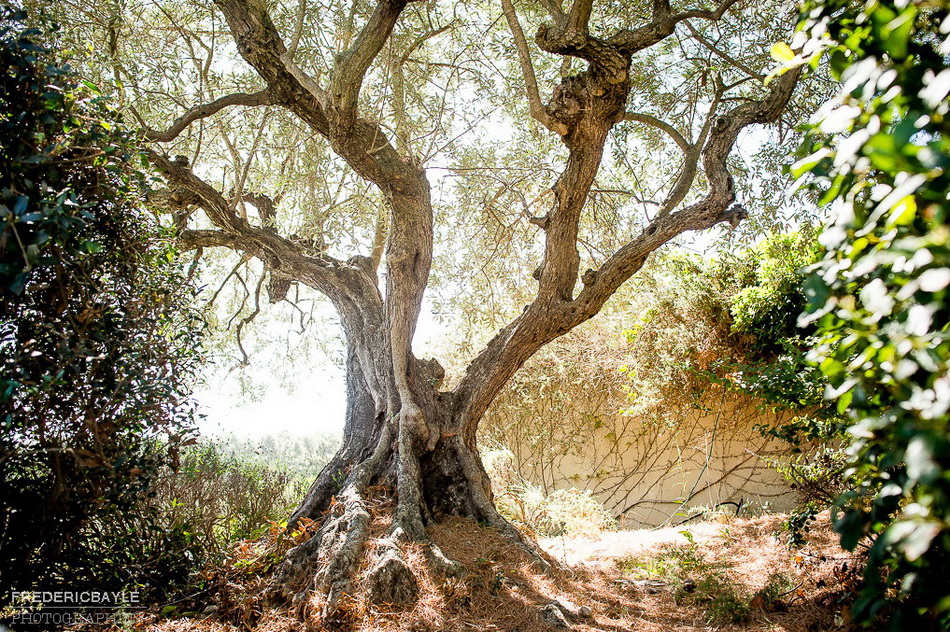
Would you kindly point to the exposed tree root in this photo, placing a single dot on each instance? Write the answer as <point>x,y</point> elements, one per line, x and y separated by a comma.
<point>390,579</point>
<point>368,527</point>
<point>342,541</point>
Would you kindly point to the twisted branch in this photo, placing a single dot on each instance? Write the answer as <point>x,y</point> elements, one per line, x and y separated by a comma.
<point>256,99</point>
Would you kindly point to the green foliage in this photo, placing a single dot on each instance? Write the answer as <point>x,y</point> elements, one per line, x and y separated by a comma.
<point>734,315</point>
<point>733,321</point>
<point>672,563</point>
<point>701,581</point>
<point>771,294</point>
<point>222,492</point>
<point>98,343</point>
<point>771,361</point>
<point>879,155</point>
<point>777,586</point>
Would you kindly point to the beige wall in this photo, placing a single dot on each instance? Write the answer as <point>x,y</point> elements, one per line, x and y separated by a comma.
<point>649,468</point>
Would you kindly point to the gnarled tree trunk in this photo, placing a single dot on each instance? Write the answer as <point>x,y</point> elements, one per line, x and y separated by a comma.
<point>402,431</point>
<point>434,472</point>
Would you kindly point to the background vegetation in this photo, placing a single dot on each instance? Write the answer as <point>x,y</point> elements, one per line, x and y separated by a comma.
<point>695,377</point>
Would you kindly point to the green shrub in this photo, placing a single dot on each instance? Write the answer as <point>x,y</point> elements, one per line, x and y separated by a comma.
<point>879,155</point>
<point>218,497</point>
<point>732,320</point>
<point>563,512</point>
<point>98,340</point>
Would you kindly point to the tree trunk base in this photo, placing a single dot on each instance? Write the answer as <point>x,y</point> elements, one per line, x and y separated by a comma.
<point>361,549</point>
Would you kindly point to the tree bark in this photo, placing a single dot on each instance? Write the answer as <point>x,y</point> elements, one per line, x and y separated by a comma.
<point>448,478</point>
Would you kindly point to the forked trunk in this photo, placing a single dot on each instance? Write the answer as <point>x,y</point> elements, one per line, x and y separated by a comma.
<point>402,433</point>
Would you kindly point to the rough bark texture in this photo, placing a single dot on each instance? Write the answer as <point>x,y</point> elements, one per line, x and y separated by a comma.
<point>401,430</point>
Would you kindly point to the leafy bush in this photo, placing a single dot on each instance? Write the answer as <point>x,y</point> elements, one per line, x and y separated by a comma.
<point>98,343</point>
<point>218,498</point>
<point>733,322</point>
<point>879,155</point>
<point>563,512</point>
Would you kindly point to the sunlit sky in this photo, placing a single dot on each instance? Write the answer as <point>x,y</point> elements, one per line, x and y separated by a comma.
<point>316,404</point>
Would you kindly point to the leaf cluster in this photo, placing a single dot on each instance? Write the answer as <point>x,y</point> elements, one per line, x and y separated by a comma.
<point>879,154</point>
<point>732,320</point>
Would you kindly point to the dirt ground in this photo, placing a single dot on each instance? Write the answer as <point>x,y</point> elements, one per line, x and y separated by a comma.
<point>732,574</point>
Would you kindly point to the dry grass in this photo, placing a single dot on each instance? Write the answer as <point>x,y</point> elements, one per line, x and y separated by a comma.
<point>504,590</point>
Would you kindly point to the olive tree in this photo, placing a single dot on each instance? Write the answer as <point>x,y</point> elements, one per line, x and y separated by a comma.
<point>546,140</point>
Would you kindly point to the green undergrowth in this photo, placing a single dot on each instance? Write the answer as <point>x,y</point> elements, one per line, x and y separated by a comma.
<point>562,512</point>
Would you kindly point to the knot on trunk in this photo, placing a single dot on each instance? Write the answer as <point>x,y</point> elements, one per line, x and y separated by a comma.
<point>570,99</point>
<point>391,581</point>
<point>277,287</point>
<point>733,215</point>
<point>589,277</point>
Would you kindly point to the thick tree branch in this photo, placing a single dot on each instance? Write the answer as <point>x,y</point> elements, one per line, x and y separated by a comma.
<point>298,29</point>
<point>712,209</point>
<point>219,210</point>
<point>342,282</point>
<point>607,58</point>
<point>265,205</point>
<point>379,239</point>
<point>553,7</point>
<point>687,174</point>
<point>612,55</point>
<point>351,66</point>
<point>662,24</point>
<point>194,239</point>
<point>362,143</point>
<point>535,106</point>
<point>716,14</point>
<point>578,19</point>
<point>542,322</point>
<point>260,45</point>
<point>256,99</point>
